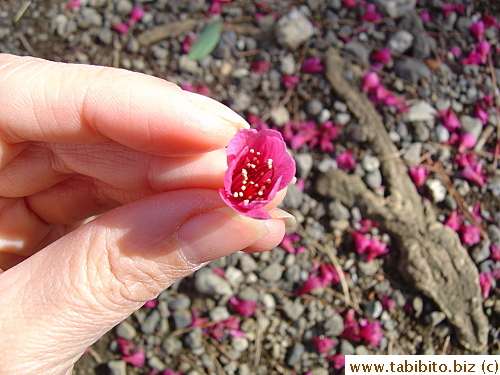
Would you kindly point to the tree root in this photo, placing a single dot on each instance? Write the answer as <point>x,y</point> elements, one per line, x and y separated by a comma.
<point>432,257</point>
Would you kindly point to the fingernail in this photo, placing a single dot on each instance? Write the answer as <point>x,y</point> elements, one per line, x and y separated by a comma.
<point>288,218</point>
<point>213,107</point>
<point>217,233</point>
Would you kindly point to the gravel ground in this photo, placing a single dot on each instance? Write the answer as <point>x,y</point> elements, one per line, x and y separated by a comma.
<point>435,68</point>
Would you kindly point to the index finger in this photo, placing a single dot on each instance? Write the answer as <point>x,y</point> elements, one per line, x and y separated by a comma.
<point>57,102</point>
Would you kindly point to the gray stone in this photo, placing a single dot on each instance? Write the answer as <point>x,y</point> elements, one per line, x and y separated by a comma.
<point>133,45</point>
<point>304,163</point>
<point>156,363</point>
<point>395,8</point>
<point>421,131</point>
<point>420,111</point>
<point>247,263</point>
<point>208,283</point>
<point>346,347</point>
<point>294,29</point>
<point>280,116</point>
<point>295,354</point>
<point>179,302</point>
<point>373,309</point>
<point>88,17</point>
<point>399,298</point>
<point>293,309</point>
<point>441,134</point>
<point>338,211</point>
<point>218,313</point>
<point>187,65</point>
<point>294,197</point>
<point>194,339</point>
<point>287,64</point>
<point>481,252</point>
<point>239,344</point>
<point>272,273</point>
<point>314,107</point>
<point>150,323</point>
<point>494,234</point>
<point>373,179</point>
<point>436,189</point>
<point>124,7</point>
<point>125,330</point>
<point>358,50</point>
<point>334,326</point>
<point>342,118</point>
<point>370,163</point>
<point>400,41</point>
<point>172,345</point>
<point>418,305</point>
<point>368,268</point>
<point>241,101</point>
<point>413,152</point>
<point>182,319</point>
<point>471,125</point>
<point>234,276</point>
<point>116,367</point>
<point>292,273</point>
<point>421,46</point>
<point>326,164</point>
<point>412,70</point>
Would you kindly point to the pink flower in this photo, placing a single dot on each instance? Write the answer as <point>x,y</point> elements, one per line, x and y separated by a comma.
<point>136,15</point>
<point>324,137</point>
<point>465,141</point>
<point>485,283</point>
<point>122,28</point>
<point>425,17</point>
<point>418,175</point>
<point>470,234</point>
<point>351,327</point>
<point>494,252</point>
<point>453,221</point>
<point>477,29</point>
<point>323,344</point>
<point>290,81</point>
<point>346,161</point>
<point>371,80</point>
<point>261,67</point>
<point>258,167</point>
<point>313,65</point>
<point>73,4</point>
<point>474,173</point>
<point>449,120</point>
<point>371,332</point>
<point>383,55</point>
<point>371,14</point>
<point>246,308</point>
<point>338,360</point>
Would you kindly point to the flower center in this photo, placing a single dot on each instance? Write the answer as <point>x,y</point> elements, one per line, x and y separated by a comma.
<point>252,178</point>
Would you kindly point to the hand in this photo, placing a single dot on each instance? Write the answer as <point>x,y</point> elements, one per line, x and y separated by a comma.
<point>78,141</point>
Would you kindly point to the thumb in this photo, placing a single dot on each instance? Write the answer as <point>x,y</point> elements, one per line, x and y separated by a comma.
<point>63,298</point>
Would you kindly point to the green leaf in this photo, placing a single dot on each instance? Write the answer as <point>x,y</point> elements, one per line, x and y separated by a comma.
<point>206,41</point>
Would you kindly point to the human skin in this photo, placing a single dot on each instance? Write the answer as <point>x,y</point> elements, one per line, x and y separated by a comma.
<point>141,158</point>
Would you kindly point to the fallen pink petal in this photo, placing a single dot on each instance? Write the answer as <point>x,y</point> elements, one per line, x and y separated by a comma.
<point>290,81</point>
<point>485,283</point>
<point>470,234</point>
<point>449,120</point>
<point>418,175</point>
<point>346,161</point>
<point>136,15</point>
<point>338,361</point>
<point>258,167</point>
<point>261,67</point>
<point>383,55</point>
<point>477,29</point>
<point>465,142</point>
<point>74,4</point>
<point>313,65</point>
<point>323,344</point>
<point>351,327</point>
<point>371,332</point>
<point>137,359</point>
<point>453,221</point>
<point>246,308</point>
<point>122,28</point>
<point>474,173</point>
